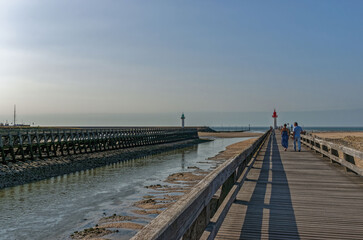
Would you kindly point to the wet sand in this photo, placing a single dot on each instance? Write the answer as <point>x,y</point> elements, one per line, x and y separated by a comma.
<point>229,134</point>
<point>161,197</point>
<point>234,149</point>
<point>348,139</point>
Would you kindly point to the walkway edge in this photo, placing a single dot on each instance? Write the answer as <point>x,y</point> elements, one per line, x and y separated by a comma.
<point>217,220</point>
<point>174,222</point>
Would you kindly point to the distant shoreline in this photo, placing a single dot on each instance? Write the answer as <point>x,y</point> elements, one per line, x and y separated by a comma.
<point>228,134</point>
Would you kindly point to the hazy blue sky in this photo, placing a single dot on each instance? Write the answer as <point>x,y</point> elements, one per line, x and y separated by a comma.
<point>122,57</point>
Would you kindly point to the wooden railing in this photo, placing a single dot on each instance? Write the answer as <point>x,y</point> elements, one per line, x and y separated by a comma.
<point>50,143</point>
<point>350,158</point>
<point>191,215</point>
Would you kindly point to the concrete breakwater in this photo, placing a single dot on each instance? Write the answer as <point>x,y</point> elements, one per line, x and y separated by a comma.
<point>49,143</point>
<point>21,172</point>
<point>32,156</point>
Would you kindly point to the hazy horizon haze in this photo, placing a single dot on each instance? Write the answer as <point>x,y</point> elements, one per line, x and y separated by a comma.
<point>93,58</point>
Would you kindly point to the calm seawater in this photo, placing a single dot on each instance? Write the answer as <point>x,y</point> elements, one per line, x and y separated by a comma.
<point>56,207</point>
<point>309,129</point>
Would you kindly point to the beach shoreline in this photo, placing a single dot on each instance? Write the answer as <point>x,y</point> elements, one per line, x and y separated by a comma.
<point>225,134</point>
<point>162,196</point>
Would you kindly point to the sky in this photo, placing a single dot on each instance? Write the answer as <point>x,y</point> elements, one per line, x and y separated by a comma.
<point>98,62</point>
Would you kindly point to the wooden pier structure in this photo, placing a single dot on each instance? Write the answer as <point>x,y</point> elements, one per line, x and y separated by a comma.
<point>31,144</point>
<point>269,193</point>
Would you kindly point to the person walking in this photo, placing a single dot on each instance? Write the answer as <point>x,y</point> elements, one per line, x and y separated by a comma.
<point>285,137</point>
<point>296,136</point>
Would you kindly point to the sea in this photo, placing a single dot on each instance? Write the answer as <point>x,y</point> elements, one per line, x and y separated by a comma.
<point>308,129</point>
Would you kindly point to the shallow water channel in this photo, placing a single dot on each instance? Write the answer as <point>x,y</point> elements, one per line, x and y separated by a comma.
<point>56,207</point>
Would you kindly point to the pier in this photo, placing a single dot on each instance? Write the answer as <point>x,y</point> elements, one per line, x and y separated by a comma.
<point>31,144</point>
<point>267,193</point>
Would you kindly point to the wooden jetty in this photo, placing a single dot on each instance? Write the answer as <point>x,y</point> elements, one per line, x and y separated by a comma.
<point>267,193</point>
<point>31,144</point>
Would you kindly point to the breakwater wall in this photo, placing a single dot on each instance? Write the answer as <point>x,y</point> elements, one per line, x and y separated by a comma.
<point>35,144</point>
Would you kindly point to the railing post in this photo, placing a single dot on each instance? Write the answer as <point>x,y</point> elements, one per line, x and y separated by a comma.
<point>46,144</point>
<point>226,187</point>
<point>2,149</point>
<point>21,145</point>
<point>330,154</point>
<point>11,146</point>
<point>60,142</point>
<point>312,143</point>
<point>38,145</point>
<point>53,143</point>
<point>30,143</point>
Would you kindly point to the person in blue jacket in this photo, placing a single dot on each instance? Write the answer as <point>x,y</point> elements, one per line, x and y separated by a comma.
<point>296,135</point>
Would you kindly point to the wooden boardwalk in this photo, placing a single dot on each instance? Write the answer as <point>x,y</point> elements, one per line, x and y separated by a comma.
<point>295,195</point>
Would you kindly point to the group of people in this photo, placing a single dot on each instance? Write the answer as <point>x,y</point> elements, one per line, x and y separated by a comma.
<point>285,133</point>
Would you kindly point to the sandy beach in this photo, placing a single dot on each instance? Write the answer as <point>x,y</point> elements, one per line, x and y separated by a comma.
<point>338,135</point>
<point>234,149</point>
<point>349,139</point>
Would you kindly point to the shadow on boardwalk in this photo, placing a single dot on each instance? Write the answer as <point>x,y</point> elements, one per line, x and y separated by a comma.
<point>275,213</point>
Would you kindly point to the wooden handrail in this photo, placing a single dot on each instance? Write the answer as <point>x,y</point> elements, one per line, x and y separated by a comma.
<point>194,206</point>
<point>343,155</point>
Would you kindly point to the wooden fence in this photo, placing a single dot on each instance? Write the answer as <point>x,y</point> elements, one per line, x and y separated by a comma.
<point>191,214</point>
<point>49,143</point>
<point>350,158</point>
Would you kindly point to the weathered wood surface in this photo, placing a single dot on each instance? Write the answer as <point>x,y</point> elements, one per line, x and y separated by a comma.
<point>193,207</point>
<point>216,220</point>
<point>49,143</point>
<point>350,158</point>
<point>295,195</point>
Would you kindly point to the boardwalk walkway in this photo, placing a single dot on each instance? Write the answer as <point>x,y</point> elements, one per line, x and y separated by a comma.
<point>295,195</point>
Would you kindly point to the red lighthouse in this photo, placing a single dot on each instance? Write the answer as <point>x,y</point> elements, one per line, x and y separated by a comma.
<point>274,116</point>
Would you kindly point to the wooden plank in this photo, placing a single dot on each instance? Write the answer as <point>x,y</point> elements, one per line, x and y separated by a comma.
<point>347,150</point>
<point>331,146</point>
<point>174,222</point>
<point>295,195</point>
<point>215,222</point>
